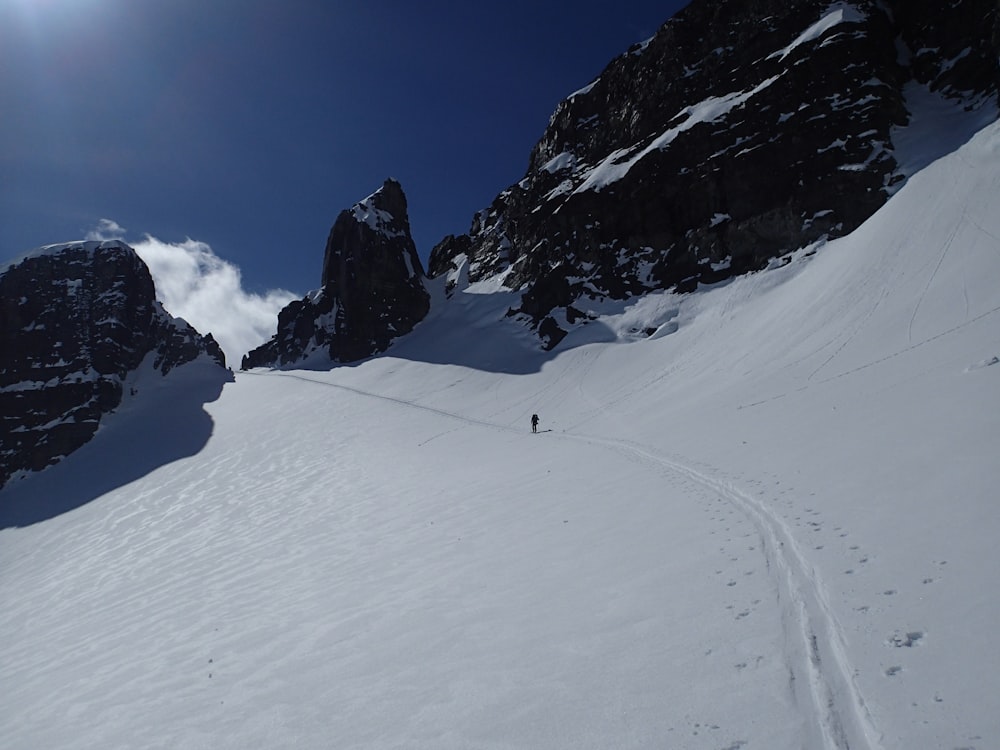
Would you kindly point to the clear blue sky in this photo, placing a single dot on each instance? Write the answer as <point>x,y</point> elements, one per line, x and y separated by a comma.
<point>249,124</point>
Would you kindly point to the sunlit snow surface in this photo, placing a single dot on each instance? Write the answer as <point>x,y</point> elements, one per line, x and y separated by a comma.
<point>772,524</point>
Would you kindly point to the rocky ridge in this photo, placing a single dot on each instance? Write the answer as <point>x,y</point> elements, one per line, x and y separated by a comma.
<point>75,321</point>
<point>740,132</point>
<point>372,289</point>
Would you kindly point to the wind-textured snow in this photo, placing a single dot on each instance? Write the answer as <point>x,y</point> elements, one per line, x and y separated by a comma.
<point>771,524</point>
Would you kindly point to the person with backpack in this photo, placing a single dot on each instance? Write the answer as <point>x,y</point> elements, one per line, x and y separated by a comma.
<point>534,423</point>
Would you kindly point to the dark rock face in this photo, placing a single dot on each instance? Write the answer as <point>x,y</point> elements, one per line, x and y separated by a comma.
<point>952,51</point>
<point>743,130</point>
<point>75,320</point>
<point>373,289</point>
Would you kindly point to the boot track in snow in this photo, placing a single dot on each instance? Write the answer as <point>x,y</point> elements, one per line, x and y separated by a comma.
<point>820,673</point>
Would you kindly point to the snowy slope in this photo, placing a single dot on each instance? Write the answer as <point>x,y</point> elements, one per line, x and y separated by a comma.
<point>772,525</point>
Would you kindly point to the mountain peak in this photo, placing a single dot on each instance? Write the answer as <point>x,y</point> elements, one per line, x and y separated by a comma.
<point>372,288</point>
<point>384,212</point>
<point>76,320</point>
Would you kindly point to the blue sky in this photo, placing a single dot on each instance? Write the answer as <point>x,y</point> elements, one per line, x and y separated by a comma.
<point>249,125</point>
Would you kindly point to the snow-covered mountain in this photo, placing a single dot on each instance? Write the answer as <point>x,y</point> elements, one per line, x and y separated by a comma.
<point>761,511</point>
<point>740,132</point>
<point>770,524</point>
<point>78,322</point>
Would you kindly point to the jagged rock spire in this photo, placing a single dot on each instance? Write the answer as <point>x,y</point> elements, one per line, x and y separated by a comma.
<point>373,288</point>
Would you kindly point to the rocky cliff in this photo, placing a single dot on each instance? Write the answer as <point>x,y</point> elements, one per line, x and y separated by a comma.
<point>743,130</point>
<point>372,289</point>
<point>75,321</point>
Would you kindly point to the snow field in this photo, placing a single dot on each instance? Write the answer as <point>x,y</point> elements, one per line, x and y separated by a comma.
<point>773,525</point>
<point>315,595</point>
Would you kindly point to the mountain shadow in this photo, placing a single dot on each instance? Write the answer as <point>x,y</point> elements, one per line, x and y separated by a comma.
<point>158,427</point>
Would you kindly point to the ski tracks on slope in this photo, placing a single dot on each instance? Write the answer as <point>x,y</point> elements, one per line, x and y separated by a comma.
<point>392,399</point>
<point>821,676</point>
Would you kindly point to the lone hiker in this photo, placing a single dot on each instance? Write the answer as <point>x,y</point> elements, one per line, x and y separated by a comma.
<point>534,423</point>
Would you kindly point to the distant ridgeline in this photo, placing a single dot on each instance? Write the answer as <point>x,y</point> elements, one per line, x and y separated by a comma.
<point>740,132</point>
<point>75,321</point>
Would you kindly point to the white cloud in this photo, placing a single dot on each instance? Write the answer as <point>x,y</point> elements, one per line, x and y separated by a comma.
<point>194,283</point>
<point>106,229</point>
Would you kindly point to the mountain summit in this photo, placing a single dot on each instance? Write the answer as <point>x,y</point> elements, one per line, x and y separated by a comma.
<point>373,289</point>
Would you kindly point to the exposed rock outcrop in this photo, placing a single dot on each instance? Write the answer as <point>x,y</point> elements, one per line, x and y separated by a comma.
<point>740,132</point>
<point>372,289</point>
<point>75,321</point>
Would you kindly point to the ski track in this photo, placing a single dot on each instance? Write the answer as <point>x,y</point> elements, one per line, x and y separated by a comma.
<point>820,673</point>
<point>923,293</point>
<point>821,677</point>
<point>393,399</point>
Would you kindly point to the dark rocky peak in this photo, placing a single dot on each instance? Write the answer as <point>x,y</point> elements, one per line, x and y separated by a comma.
<point>372,289</point>
<point>76,320</point>
<point>741,131</point>
<point>954,50</point>
<point>371,231</point>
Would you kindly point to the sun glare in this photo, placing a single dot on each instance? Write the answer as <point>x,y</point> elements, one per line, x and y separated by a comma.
<point>39,18</point>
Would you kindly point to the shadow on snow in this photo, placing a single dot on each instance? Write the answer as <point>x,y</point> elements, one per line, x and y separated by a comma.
<point>474,331</point>
<point>165,423</point>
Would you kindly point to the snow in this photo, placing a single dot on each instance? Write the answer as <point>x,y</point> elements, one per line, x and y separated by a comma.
<point>770,524</point>
<point>585,90</point>
<point>617,164</point>
<point>559,162</point>
<point>837,14</point>
<point>377,219</point>
<point>937,127</point>
<point>89,247</point>
<point>949,64</point>
<point>410,271</point>
<point>564,187</point>
<point>641,47</point>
